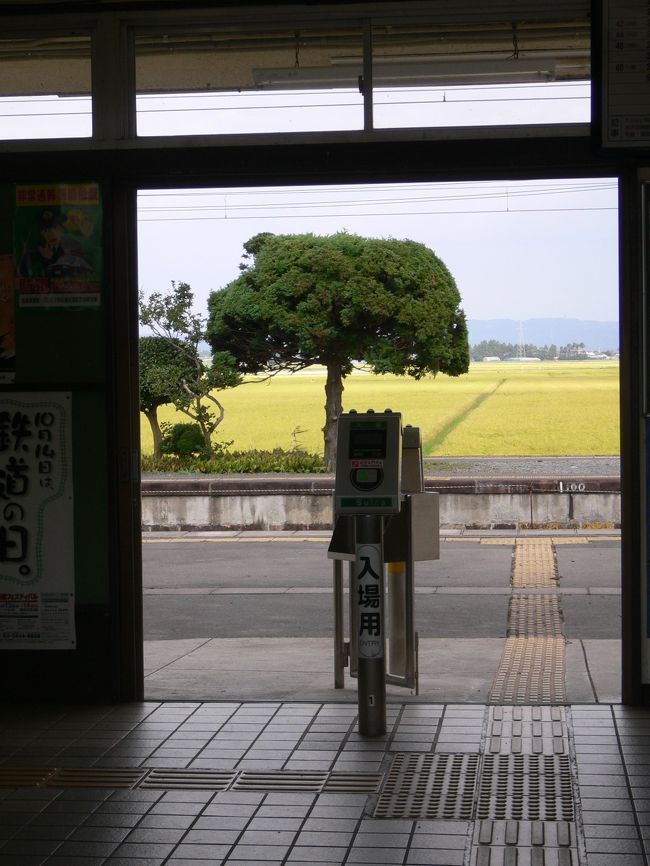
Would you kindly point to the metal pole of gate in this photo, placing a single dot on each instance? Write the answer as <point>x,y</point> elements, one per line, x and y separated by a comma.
<point>369,591</point>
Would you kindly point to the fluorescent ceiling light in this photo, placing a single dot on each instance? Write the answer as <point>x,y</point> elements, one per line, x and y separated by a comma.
<point>397,72</point>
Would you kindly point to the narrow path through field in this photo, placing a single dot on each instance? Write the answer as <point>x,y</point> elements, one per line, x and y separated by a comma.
<point>451,425</point>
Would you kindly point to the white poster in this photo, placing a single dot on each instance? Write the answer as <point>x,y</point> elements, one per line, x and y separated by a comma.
<point>37,529</point>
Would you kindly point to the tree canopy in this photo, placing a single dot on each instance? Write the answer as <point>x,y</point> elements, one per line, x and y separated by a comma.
<point>335,300</point>
<point>191,380</point>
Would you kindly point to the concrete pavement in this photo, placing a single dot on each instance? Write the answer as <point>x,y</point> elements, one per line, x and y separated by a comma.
<point>462,640</point>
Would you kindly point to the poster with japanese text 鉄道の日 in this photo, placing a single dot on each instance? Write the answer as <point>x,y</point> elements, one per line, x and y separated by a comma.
<point>36,529</point>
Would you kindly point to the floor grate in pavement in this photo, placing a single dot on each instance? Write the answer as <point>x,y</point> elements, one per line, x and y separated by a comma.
<point>534,616</point>
<point>531,671</point>
<point>423,785</point>
<point>526,788</point>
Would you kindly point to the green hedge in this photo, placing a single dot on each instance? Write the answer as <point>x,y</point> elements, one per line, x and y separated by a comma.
<point>225,462</point>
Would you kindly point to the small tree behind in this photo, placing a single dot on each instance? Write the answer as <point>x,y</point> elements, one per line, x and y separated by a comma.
<point>307,299</point>
<point>163,367</point>
<point>193,381</point>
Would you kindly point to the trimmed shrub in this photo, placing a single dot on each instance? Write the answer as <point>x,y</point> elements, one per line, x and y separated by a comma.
<point>235,462</point>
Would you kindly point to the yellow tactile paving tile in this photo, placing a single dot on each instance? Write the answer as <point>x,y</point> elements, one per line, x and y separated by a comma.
<point>531,671</point>
<point>534,563</point>
<point>577,539</point>
<point>509,541</point>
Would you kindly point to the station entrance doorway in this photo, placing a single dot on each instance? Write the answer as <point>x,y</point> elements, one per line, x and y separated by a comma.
<point>236,610</point>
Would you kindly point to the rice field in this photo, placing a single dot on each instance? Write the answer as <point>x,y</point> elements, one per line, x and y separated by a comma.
<point>497,409</point>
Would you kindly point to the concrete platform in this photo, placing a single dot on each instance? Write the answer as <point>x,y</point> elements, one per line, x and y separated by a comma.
<point>459,670</point>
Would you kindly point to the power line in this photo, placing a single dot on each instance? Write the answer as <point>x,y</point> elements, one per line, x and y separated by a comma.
<point>377,214</point>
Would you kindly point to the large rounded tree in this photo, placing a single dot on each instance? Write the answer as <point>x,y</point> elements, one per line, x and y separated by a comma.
<point>333,300</point>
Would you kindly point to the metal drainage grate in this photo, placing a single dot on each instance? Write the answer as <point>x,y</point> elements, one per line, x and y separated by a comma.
<point>534,616</point>
<point>429,786</point>
<point>531,671</point>
<point>181,780</point>
<point>526,788</point>
<point>94,777</point>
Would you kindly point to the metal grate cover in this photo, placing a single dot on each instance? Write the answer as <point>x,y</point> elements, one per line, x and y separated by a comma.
<point>534,616</point>
<point>180,780</point>
<point>429,786</point>
<point>526,788</point>
<point>531,671</point>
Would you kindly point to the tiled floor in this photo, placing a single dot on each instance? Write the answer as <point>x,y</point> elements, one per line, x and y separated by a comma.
<point>604,783</point>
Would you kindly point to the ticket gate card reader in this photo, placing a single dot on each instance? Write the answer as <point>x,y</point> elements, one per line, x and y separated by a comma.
<point>382,515</point>
<point>368,463</point>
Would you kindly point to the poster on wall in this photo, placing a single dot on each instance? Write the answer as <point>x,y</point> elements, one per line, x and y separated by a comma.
<point>7,321</point>
<point>36,531</point>
<point>58,245</point>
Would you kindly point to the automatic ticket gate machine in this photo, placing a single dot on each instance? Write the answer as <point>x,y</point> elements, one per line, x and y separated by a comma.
<point>383,519</point>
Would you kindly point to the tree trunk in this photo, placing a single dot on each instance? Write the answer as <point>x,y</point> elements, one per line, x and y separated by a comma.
<point>333,408</point>
<point>152,417</point>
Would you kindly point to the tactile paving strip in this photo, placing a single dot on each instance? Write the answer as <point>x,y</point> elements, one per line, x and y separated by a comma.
<point>527,731</point>
<point>286,780</point>
<point>534,564</point>
<point>189,779</point>
<point>526,788</point>
<point>525,843</point>
<point>95,777</point>
<point>534,616</point>
<point>184,780</point>
<point>425,785</point>
<point>531,671</point>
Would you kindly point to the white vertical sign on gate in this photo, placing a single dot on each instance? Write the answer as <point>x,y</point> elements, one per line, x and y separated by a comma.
<point>370,604</point>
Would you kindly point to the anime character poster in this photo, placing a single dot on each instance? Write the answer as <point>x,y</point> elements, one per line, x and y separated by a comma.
<point>58,245</point>
<point>7,321</point>
<point>36,522</point>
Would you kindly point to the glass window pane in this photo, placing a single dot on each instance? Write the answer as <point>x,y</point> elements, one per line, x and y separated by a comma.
<point>45,88</point>
<point>225,83</point>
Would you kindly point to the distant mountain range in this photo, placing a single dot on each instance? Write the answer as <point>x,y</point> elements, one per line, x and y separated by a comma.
<point>602,336</point>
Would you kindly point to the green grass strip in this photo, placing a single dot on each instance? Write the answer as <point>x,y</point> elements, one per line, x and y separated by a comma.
<point>451,425</point>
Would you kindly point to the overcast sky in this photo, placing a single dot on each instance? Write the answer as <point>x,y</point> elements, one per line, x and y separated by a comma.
<point>517,250</point>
